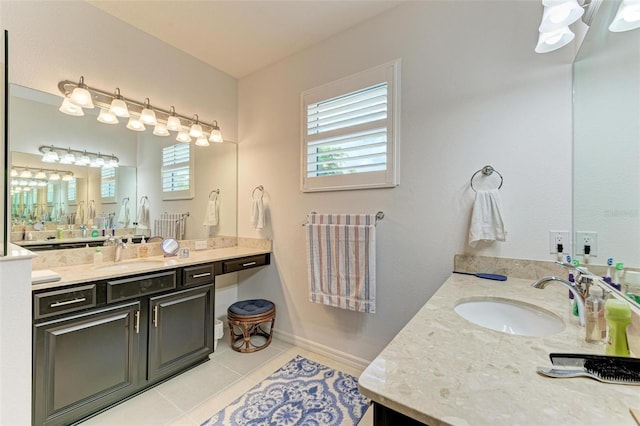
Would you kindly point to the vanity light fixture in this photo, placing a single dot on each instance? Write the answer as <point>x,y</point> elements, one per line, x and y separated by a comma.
<point>202,140</point>
<point>40,175</point>
<point>553,40</point>
<point>627,17</point>
<point>54,176</point>
<point>14,173</point>
<point>559,13</point>
<point>81,96</point>
<point>216,134</point>
<point>26,174</point>
<point>82,158</point>
<point>40,178</point>
<point>67,177</point>
<point>140,113</point>
<point>68,157</point>
<point>118,107</point>
<point>148,116</point>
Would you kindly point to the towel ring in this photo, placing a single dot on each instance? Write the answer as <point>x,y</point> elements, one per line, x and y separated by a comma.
<point>143,199</point>
<point>215,191</point>
<point>487,171</point>
<point>257,188</point>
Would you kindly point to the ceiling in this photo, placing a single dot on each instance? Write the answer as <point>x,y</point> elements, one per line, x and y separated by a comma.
<point>240,37</point>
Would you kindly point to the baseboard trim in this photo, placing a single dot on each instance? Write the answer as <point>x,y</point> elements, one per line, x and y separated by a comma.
<point>323,350</point>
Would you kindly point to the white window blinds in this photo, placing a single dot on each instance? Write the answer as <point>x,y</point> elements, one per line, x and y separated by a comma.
<point>349,138</point>
<point>108,184</point>
<point>177,172</point>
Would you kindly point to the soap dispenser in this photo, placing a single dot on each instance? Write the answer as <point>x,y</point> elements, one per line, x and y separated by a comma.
<point>143,250</point>
<point>595,324</point>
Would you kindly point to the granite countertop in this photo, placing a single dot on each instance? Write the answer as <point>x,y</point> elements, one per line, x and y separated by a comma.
<point>88,272</point>
<point>442,369</point>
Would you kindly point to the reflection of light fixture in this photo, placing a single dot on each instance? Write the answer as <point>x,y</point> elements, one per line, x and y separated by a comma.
<point>26,173</point>
<point>14,173</point>
<point>33,183</point>
<point>559,13</point>
<point>14,182</point>
<point>54,176</point>
<point>160,130</point>
<point>216,134</point>
<point>82,158</point>
<point>70,108</point>
<point>67,177</point>
<point>148,116</point>
<point>202,140</point>
<point>107,117</point>
<point>553,40</point>
<point>81,96</point>
<point>41,175</point>
<point>173,122</point>
<point>118,107</point>
<point>183,136</point>
<point>113,105</point>
<point>40,178</point>
<point>135,124</point>
<point>627,17</point>
<point>196,129</point>
<point>42,183</point>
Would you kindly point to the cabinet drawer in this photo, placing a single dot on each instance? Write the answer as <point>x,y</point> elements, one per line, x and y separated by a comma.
<point>245,263</point>
<point>196,275</point>
<point>129,288</point>
<point>63,301</point>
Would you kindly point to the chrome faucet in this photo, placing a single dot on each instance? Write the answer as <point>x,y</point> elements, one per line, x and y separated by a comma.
<point>579,293</point>
<point>119,245</point>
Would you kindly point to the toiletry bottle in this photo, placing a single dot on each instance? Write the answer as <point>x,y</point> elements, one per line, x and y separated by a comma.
<point>29,236</point>
<point>618,316</point>
<point>94,232</point>
<point>143,250</point>
<point>617,280</point>
<point>59,232</point>
<point>595,324</point>
<point>24,232</point>
<point>97,257</point>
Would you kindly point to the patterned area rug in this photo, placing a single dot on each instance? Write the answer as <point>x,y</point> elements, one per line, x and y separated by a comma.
<point>302,392</point>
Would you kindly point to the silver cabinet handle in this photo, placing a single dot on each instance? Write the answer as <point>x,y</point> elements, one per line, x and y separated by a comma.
<point>249,263</point>
<point>206,274</point>
<point>155,316</point>
<point>68,302</point>
<point>137,322</point>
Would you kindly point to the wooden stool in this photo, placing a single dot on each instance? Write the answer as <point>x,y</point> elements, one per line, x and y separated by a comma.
<point>249,317</point>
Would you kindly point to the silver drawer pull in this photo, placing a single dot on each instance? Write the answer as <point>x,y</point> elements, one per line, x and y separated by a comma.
<point>155,316</point>
<point>206,274</point>
<point>68,302</point>
<point>137,322</point>
<point>249,263</point>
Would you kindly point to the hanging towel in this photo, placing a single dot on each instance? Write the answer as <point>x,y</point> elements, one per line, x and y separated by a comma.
<point>123,217</point>
<point>341,260</point>
<point>144,221</point>
<point>91,211</point>
<point>79,219</point>
<point>257,214</point>
<point>211,214</point>
<point>487,223</point>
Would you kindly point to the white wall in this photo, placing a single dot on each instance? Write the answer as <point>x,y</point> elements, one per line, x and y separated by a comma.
<point>473,93</point>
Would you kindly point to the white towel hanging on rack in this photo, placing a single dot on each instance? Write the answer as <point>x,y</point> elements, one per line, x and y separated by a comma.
<point>487,223</point>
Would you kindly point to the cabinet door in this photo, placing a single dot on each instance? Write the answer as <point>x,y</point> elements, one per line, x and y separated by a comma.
<point>180,330</point>
<point>84,362</point>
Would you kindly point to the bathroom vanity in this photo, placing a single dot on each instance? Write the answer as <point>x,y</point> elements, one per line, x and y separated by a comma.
<point>442,369</point>
<point>105,333</point>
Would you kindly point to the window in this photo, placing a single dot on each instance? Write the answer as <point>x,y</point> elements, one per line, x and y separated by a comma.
<point>72,192</point>
<point>350,132</point>
<point>177,172</point>
<point>108,184</point>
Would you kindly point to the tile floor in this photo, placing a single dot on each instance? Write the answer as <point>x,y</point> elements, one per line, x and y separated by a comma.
<point>192,397</point>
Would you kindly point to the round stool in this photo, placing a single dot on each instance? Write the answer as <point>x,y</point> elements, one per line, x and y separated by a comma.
<point>247,320</point>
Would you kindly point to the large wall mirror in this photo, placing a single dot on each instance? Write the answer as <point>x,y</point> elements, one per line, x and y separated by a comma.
<point>48,197</point>
<point>607,139</point>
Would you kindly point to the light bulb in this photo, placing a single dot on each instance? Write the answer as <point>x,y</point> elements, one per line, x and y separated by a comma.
<point>107,117</point>
<point>119,108</point>
<point>160,130</point>
<point>196,128</point>
<point>67,158</point>
<point>148,116</point>
<point>202,141</point>
<point>41,175</point>
<point>70,108</point>
<point>14,173</point>
<point>26,174</point>
<point>97,162</point>
<point>135,125</point>
<point>67,177</point>
<point>81,96</point>
<point>174,124</point>
<point>50,157</point>
<point>83,160</point>
<point>216,134</point>
<point>113,162</point>
<point>54,176</point>
<point>627,17</point>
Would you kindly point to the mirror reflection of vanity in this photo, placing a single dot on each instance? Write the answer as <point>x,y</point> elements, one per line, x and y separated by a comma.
<point>78,202</point>
<point>606,185</point>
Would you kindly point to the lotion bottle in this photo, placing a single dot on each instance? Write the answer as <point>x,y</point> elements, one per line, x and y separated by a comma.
<point>143,250</point>
<point>595,324</point>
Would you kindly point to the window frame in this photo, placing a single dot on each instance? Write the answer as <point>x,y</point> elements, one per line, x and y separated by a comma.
<point>111,182</point>
<point>178,195</point>
<point>385,73</point>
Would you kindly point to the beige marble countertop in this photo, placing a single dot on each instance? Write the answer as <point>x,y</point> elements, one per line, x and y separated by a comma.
<point>88,272</point>
<point>441,369</point>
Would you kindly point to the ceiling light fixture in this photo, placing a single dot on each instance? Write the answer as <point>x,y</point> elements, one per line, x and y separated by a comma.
<point>627,17</point>
<point>82,158</point>
<point>140,113</point>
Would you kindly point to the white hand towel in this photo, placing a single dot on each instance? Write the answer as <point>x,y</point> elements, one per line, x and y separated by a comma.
<point>143,216</point>
<point>91,214</point>
<point>487,223</point>
<point>211,214</point>
<point>257,214</point>
<point>123,217</point>
<point>79,219</point>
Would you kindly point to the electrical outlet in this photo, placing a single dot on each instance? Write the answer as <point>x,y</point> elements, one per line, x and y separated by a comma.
<point>558,237</point>
<point>201,244</point>
<point>587,238</point>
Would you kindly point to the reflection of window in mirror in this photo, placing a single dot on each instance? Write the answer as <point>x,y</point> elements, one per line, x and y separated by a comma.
<point>108,184</point>
<point>50,191</point>
<point>177,172</point>
<point>72,193</point>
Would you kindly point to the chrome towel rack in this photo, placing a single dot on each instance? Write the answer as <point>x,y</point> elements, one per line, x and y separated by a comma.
<point>216,192</point>
<point>257,188</point>
<point>486,171</point>
<point>379,217</point>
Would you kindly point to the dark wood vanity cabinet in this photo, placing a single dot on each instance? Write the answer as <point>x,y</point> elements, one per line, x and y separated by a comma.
<point>96,344</point>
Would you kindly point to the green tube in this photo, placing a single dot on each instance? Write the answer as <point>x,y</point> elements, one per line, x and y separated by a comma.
<point>618,316</point>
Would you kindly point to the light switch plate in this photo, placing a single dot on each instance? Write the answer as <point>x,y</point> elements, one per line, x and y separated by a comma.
<point>201,244</point>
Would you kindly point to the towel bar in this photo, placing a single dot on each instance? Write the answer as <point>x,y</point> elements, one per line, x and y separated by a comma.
<point>379,216</point>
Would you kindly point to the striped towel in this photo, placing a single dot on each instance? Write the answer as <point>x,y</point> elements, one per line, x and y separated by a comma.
<point>341,260</point>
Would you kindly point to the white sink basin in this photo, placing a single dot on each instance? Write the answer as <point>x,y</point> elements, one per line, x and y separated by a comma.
<point>510,316</point>
<point>125,266</point>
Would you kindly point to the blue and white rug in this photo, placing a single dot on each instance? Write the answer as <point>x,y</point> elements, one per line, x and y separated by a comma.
<point>302,392</point>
